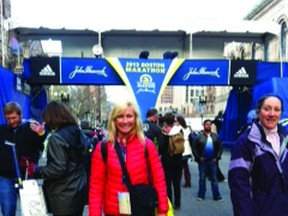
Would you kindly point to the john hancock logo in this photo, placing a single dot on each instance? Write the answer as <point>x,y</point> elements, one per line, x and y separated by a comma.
<point>146,84</point>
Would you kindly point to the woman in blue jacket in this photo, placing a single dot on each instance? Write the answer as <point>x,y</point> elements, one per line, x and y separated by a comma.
<point>258,169</point>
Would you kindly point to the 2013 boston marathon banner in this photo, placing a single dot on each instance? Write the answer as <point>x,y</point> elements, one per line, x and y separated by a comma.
<point>145,78</point>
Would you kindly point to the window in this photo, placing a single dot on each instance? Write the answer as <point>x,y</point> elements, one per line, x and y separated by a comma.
<point>283,37</point>
<point>242,53</point>
<point>192,93</point>
<point>212,108</point>
<point>202,92</point>
<point>186,94</point>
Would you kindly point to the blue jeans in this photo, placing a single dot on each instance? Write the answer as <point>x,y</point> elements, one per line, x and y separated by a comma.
<point>8,197</point>
<point>203,170</point>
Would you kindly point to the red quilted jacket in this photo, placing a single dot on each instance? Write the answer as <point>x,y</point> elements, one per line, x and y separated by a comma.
<point>106,178</point>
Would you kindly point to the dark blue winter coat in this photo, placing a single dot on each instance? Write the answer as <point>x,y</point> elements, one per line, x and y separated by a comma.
<point>258,177</point>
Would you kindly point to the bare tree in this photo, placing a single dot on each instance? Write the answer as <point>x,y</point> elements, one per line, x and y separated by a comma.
<point>85,102</point>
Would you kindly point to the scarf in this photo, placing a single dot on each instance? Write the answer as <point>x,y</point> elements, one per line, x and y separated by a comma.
<point>273,137</point>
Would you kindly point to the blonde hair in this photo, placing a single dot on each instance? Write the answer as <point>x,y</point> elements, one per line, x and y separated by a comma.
<point>118,110</point>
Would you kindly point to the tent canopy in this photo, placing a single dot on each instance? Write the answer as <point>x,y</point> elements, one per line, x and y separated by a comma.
<point>172,24</point>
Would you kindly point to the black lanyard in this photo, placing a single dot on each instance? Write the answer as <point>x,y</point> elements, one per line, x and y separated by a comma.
<point>126,178</point>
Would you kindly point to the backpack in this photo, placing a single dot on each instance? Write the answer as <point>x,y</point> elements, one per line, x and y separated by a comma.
<point>104,150</point>
<point>85,148</point>
<point>176,144</point>
<point>87,151</point>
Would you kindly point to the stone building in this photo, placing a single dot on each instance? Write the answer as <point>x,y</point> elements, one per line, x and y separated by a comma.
<point>275,47</point>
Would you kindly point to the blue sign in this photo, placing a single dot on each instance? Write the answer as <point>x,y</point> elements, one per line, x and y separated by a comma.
<point>202,72</point>
<point>88,71</point>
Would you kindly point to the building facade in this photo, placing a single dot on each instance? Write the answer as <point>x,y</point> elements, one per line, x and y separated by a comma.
<point>273,48</point>
<point>5,11</point>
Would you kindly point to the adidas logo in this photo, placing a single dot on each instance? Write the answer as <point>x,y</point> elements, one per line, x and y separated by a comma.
<point>241,73</point>
<point>47,71</point>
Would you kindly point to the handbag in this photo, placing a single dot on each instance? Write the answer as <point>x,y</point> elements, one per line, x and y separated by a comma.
<point>143,197</point>
<point>32,199</point>
<point>147,195</point>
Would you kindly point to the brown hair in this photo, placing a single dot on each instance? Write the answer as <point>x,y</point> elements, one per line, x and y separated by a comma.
<point>151,112</point>
<point>264,98</point>
<point>182,121</point>
<point>12,107</point>
<point>56,115</point>
<point>169,118</point>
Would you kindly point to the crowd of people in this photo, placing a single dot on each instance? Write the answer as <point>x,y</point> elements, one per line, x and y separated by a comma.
<point>258,169</point>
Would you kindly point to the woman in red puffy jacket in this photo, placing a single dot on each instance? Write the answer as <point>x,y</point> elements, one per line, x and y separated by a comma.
<point>140,155</point>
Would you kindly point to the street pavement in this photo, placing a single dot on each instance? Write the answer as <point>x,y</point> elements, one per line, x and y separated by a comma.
<point>190,206</point>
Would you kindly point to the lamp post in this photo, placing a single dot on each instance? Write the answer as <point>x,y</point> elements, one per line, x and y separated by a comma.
<point>98,51</point>
<point>99,104</point>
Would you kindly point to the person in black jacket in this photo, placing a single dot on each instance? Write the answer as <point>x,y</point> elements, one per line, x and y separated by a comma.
<point>151,128</point>
<point>28,139</point>
<point>65,179</point>
<point>207,150</point>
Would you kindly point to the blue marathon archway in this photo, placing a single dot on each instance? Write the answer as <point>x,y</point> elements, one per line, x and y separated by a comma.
<point>147,79</point>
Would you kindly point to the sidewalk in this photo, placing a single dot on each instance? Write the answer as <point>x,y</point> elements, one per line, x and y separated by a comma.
<point>208,207</point>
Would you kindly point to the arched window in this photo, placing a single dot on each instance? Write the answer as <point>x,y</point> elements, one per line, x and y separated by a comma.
<point>283,36</point>
<point>232,55</point>
<point>212,108</point>
<point>241,52</point>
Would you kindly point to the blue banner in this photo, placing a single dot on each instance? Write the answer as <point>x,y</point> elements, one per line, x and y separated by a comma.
<point>88,71</point>
<point>9,93</point>
<point>267,70</point>
<point>202,72</point>
<point>145,79</point>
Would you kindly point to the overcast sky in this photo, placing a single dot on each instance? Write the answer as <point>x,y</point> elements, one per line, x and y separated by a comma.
<point>75,14</point>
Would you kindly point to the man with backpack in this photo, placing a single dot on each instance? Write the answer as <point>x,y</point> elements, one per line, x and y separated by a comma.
<point>207,150</point>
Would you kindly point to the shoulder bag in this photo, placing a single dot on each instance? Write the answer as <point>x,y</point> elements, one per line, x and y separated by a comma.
<point>143,197</point>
